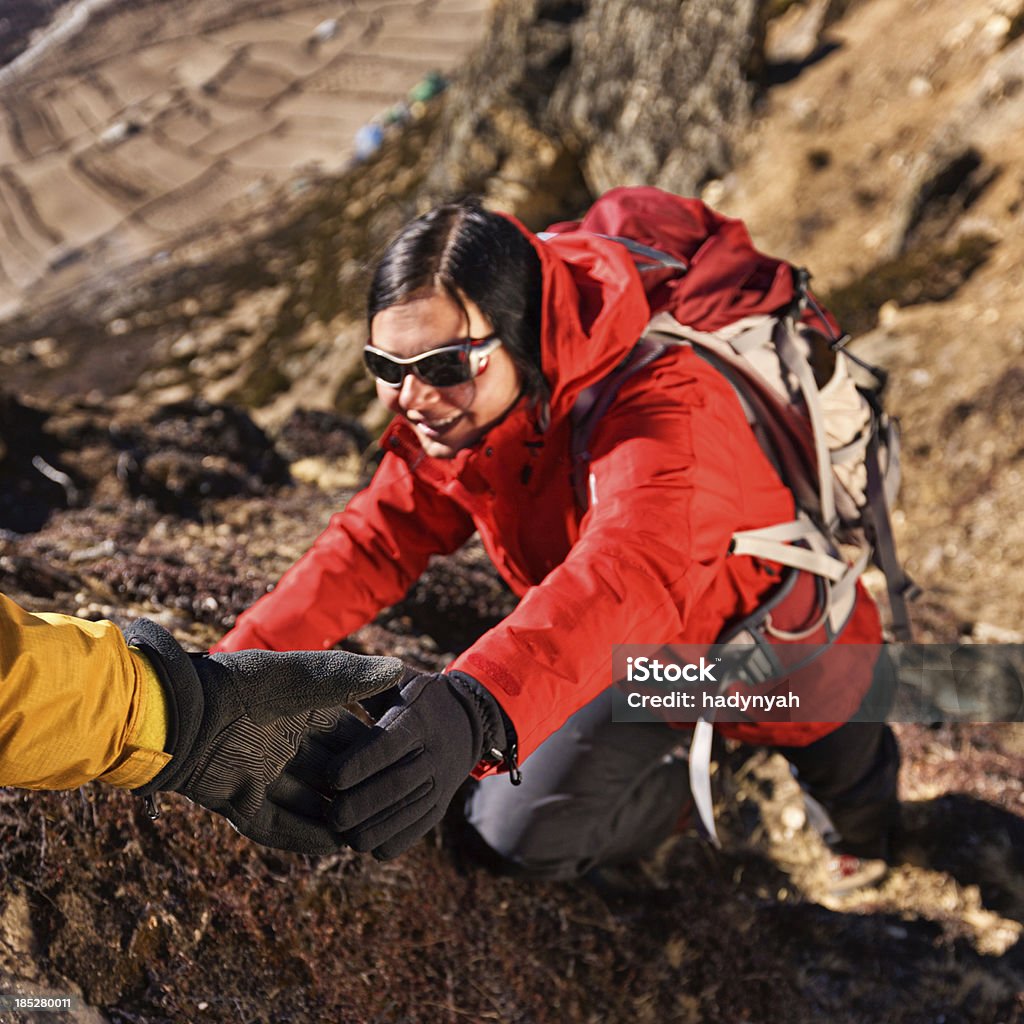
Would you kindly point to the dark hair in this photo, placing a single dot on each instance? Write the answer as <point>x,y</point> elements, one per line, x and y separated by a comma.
<point>462,249</point>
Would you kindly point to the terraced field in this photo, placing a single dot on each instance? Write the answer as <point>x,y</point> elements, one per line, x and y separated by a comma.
<point>123,129</point>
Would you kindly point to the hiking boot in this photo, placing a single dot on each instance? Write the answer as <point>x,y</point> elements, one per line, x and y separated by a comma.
<point>847,872</point>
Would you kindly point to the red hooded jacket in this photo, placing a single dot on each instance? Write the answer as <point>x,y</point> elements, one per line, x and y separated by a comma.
<point>676,471</point>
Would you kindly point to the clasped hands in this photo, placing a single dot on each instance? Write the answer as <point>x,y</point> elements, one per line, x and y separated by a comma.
<point>264,739</point>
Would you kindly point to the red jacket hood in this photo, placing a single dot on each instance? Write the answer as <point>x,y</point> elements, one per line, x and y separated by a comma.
<point>594,310</point>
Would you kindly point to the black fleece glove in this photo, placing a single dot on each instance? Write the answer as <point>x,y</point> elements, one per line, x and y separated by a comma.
<point>236,722</point>
<point>396,779</point>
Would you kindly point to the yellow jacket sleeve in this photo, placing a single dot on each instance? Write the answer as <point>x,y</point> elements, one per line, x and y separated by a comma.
<point>76,704</point>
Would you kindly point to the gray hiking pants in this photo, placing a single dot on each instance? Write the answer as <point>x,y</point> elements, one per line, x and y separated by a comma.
<point>595,792</point>
<point>599,792</point>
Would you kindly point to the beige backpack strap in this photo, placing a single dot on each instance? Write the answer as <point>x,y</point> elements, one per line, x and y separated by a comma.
<point>774,543</point>
<point>797,364</point>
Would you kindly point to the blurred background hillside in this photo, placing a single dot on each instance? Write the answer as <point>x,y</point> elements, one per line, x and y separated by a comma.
<point>191,195</point>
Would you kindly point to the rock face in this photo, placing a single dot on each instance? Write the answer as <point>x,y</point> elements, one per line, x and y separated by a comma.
<point>498,136</point>
<point>657,93</point>
<point>567,99</point>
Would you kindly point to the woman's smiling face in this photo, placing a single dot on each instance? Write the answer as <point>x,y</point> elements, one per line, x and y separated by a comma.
<point>446,419</point>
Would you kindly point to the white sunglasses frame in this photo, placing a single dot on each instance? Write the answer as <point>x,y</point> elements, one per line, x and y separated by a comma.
<point>478,349</point>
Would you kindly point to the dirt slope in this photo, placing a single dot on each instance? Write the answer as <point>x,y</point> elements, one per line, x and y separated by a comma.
<point>154,119</point>
<point>180,919</point>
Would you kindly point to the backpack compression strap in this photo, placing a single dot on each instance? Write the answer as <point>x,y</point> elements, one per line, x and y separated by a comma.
<point>900,586</point>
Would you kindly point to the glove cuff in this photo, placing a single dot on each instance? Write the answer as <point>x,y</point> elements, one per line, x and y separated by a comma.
<point>500,745</point>
<point>185,699</point>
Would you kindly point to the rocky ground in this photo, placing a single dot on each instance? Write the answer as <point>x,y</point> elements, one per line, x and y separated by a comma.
<point>881,147</point>
<point>180,919</point>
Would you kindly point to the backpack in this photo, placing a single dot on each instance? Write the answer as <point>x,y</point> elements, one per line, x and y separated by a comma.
<point>815,408</point>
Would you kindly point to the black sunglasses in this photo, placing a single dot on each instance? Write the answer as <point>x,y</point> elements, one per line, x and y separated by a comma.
<point>440,367</point>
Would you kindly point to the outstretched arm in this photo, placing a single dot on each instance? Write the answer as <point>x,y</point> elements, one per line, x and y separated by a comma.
<point>366,559</point>
<point>237,733</point>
